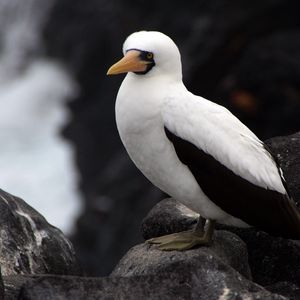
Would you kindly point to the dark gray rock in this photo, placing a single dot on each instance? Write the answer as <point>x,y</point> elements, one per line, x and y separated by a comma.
<point>288,289</point>
<point>227,249</point>
<point>172,284</point>
<point>271,259</point>
<point>208,272</point>
<point>168,215</point>
<point>13,285</point>
<point>287,151</point>
<point>148,273</point>
<point>138,287</point>
<point>1,286</point>
<point>30,245</point>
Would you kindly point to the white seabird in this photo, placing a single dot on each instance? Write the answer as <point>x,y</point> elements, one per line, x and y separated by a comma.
<point>195,150</point>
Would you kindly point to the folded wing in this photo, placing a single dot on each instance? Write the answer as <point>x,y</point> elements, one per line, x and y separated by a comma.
<point>232,166</point>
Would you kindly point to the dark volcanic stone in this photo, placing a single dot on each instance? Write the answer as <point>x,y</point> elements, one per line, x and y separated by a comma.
<point>287,289</point>
<point>271,259</point>
<point>207,272</point>
<point>287,151</point>
<point>30,245</point>
<point>145,259</point>
<point>1,287</point>
<point>151,287</point>
<point>13,285</point>
<point>168,215</point>
<point>171,284</point>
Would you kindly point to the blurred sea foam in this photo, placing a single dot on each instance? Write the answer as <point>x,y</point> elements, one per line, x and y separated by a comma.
<point>36,163</point>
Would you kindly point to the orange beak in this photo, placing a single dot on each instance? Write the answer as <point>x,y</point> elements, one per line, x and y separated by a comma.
<point>131,62</point>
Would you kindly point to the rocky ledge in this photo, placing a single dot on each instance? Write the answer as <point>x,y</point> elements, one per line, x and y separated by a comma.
<point>274,262</point>
<point>38,262</point>
<point>30,245</point>
<point>233,267</point>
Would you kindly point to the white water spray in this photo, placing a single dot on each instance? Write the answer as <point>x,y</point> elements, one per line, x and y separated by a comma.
<point>36,163</point>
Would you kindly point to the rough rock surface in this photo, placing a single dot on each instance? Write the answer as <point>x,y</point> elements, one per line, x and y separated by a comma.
<point>289,290</point>
<point>166,216</point>
<point>287,151</point>
<point>1,286</point>
<point>272,260</point>
<point>30,245</point>
<point>241,54</point>
<point>217,272</point>
<point>205,273</point>
<point>170,285</point>
<point>161,218</point>
<point>227,252</point>
<point>13,285</point>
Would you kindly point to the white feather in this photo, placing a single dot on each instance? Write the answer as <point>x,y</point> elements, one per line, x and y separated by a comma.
<point>216,131</point>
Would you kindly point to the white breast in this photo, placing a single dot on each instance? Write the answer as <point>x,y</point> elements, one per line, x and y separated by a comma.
<point>141,128</point>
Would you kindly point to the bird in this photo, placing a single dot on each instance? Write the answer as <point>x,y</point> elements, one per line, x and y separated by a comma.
<point>195,150</point>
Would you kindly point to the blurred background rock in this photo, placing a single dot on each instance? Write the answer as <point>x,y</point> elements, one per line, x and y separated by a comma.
<point>66,156</point>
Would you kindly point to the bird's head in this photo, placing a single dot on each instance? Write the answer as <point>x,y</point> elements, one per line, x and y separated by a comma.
<point>148,53</point>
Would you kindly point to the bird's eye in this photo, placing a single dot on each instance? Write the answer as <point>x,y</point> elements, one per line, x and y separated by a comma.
<point>149,55</point>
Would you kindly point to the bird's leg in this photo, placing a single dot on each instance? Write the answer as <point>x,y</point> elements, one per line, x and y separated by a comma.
<point>199,228</point>
<point>186,239</point>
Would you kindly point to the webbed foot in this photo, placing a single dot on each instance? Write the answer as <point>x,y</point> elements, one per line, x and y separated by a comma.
<point>186,239</point>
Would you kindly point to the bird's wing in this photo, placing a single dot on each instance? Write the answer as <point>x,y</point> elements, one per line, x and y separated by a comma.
<point>231,165</point>
<point>214,130</point>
